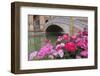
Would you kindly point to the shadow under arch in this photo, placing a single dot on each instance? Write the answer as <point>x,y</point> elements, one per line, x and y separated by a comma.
<point>53,31</point>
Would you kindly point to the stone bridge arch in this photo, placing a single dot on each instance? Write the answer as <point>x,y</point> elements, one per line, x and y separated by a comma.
<point>54,28</point>
<point>60,27</point>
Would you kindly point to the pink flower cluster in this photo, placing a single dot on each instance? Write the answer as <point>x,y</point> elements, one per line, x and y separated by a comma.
<point>66,46</point>
<point>70,46</point>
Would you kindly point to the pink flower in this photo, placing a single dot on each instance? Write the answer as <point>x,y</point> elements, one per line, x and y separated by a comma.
<point>45,50</point>
<point>73,37</point>
<point>84,53</point>
<point>66,37</point>
<point>58,47</point>
<point>80,33</point>
<point>62,44</point>
<point>78,57</point>
<point>59,38</point>
<point>85,32</point>
<point>78,39</point>
<point>55,53</point>
<point>70,47</point>
<point>82,44</point>
<point>41,54</point>
<point>60,53</point>
<point>32,55</point>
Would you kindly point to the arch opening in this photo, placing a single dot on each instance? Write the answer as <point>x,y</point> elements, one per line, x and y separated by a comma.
<point>52,32</point>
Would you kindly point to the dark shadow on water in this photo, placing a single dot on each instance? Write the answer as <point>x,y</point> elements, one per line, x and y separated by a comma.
<point>52,32</point>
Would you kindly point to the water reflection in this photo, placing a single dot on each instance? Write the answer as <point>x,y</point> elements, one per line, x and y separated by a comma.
<point>36,39</point>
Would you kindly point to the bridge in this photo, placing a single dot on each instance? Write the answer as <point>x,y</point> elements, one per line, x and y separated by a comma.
<point>59,23</point>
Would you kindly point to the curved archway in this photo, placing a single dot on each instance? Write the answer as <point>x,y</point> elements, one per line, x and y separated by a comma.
<point>52,32</point>
<point>54,29</point>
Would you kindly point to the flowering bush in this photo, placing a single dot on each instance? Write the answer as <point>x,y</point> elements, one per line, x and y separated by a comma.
<point>66,47</point>
<point>70,47</point>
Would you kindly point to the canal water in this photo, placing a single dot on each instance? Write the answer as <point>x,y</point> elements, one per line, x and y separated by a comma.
<point>37,39</point>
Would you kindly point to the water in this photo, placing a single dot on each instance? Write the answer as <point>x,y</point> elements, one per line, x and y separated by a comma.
<point>37,39</point>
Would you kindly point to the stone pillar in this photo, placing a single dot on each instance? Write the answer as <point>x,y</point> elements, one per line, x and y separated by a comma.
<point>71,25</point>
<point>42,22</point>
<point>30,23</point>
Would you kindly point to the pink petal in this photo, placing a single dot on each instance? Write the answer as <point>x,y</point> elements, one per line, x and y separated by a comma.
<point>61,53</point>
<point>32,55</point>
